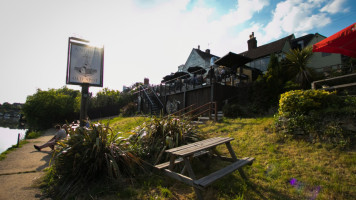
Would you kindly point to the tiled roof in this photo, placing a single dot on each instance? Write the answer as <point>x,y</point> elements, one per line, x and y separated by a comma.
<point>305,38</point>
<point>204,55</point>
<point>267,49</point>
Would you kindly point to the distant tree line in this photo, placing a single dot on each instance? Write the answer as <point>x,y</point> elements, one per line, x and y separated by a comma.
<point>7,108</point>
<point>44,109</point>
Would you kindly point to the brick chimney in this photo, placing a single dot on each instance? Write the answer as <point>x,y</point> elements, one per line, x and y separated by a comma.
<point>146,81</point>
<point>252,42</point>
<point>207,51</point>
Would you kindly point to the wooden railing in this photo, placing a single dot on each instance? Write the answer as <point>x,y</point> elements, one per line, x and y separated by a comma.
<point>181,112</point>
<point>207,108</point>
<point>192,114</point>
<point>335,83</point>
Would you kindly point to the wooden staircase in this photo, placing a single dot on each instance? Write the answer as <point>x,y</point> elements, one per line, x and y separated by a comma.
<point>155,104</point>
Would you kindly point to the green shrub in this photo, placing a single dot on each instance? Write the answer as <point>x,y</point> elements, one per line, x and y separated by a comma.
<point>319,115</point>
<point>45,108</point>
<point>301,102</point>
<point>32,134</point>
<point>129,110</point>
<point>88,156</point>
<point>233,111</point>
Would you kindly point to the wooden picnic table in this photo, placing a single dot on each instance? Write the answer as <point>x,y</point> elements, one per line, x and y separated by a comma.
<point>187,152</point>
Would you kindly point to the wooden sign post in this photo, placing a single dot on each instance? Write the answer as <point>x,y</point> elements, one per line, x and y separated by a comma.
<point>85,67</point>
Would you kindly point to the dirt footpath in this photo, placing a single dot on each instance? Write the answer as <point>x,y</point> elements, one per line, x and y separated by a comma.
<point>22,167</point>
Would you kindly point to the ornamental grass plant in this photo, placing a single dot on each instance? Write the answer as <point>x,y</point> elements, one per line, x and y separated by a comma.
<point>153,137</point>
<point>90,155</point>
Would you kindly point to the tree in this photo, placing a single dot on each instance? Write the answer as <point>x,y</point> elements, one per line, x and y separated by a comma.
<point>45,108</point>
<point>298,61</point>
<point>108,103</point>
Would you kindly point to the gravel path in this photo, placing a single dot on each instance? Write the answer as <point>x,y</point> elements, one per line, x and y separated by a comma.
<point>22,167</point>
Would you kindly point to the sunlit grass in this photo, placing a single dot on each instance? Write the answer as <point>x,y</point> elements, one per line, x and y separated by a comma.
<point>124,124</point>
<point>284,168</point>
<point>12,148</point>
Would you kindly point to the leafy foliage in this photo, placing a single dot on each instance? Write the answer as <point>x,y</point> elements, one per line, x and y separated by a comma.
<point>10,108</point>
<point>299,60</point>
<point>108,103</point>
<point>317,114</point>
<point>129,110</point>
<point>267,88</point>
<point>281,76</point>
<point>233,111</point>
<point>152,138</point>
<point>300,102</point>
<point>32,134</point>
<point>88,156</point>
<point>45,108</point>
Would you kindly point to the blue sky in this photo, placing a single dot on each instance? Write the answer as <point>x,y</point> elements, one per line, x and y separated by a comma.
<point>144,38</point>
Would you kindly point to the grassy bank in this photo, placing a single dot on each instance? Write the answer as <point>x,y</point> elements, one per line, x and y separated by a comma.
<point>284,168</point>
<point>12,148</point>
<point>30,135</point>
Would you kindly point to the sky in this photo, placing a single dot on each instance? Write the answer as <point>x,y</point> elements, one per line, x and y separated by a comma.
<point>144,38</point>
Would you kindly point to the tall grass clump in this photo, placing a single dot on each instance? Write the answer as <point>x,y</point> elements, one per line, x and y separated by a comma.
<point>153,137</point>
<point>319,115</point>
<point>89,156</point>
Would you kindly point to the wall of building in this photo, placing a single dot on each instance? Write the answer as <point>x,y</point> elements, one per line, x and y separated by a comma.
<point>193,60</point>
<point>320,60</point>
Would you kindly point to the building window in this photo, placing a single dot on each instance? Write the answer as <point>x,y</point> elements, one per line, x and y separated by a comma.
<point>260,64</point>
<point>300,44</point>
<point>323,54</point>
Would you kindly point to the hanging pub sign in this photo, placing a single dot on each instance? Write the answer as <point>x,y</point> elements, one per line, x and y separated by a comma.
<point>85,63</point>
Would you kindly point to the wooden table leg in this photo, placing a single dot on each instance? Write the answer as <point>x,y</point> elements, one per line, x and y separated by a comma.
<point>232,153</point>
<point>233,156</point>
<point>171,162</point>
<point>192,175</point>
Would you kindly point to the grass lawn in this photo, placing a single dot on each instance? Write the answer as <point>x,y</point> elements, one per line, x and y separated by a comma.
<point>284,168</point>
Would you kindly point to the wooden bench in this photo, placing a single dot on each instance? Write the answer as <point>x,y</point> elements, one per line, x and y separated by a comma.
<point>207,180</point>
<point>184,153</point>
<point>178,160</point>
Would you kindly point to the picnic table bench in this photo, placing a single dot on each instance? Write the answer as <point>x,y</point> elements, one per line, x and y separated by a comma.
<point>187,152</point>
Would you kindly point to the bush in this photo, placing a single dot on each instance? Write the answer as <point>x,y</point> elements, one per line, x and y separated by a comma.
<point>129,110</point>
<point>317,114</point>
<point>88,156</point>
<point>152,138</point>
<point>46,108</point>
<point>300,102</point>
<point>32,134</point>
<point>233,111</point>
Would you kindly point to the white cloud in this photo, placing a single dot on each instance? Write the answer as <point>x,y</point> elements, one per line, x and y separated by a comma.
<point>244,11</point>
<point>141,40</point>
<point>295,16</point>
<point>334,6</point>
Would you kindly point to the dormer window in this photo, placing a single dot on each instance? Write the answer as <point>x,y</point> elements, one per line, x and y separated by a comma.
<point>300,44</point>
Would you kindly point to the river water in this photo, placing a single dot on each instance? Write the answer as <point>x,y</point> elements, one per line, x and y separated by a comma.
<point>9,134</point>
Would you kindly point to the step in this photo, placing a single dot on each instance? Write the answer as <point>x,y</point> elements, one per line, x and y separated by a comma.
<point>207,118</point>
<point>219,114</point>
<point>197,122</point>
<point>207,180</point>
<point>204,118</point>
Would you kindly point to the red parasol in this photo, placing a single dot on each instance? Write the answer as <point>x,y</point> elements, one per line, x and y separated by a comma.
<point>343,42</point>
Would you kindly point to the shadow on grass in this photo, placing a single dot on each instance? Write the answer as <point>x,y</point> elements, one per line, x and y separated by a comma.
<point>47,158</point>
<point>265,193</point>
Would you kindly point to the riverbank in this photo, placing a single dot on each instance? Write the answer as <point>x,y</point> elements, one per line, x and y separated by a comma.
<point>22,167</point>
